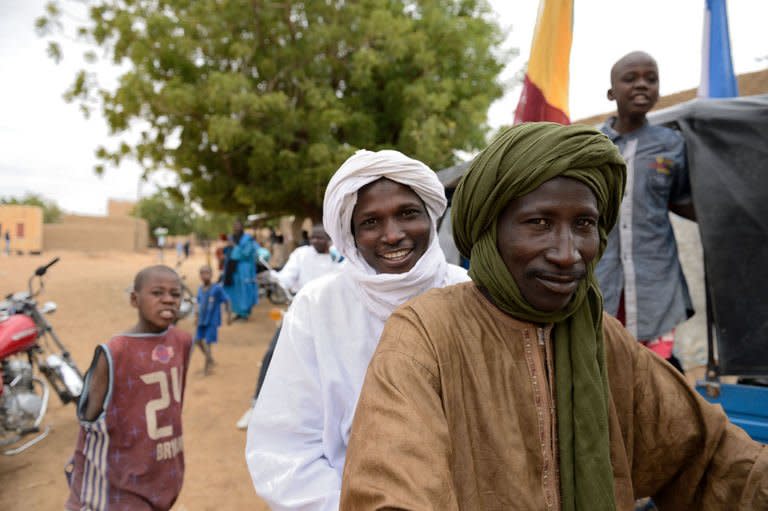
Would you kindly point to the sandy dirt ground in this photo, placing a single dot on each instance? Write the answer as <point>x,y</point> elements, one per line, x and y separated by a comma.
<point>90,291</point>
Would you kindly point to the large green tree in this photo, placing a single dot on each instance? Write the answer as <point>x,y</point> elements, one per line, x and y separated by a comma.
<point>255,103</point>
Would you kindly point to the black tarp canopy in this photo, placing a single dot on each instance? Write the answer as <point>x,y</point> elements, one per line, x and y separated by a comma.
<point>727,149</point>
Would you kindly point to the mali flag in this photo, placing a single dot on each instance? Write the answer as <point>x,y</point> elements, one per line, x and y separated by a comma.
<point>545,90</point>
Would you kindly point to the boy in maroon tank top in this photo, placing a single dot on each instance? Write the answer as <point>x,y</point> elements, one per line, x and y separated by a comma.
<point>129,453</point>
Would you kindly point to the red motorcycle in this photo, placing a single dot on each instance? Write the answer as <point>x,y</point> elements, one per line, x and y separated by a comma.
<point>29,347</point>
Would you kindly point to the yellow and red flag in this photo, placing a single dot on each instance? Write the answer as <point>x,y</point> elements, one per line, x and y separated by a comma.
<point>545,90</point>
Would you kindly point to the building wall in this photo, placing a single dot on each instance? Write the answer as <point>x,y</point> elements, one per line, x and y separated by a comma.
<point>25,224</point>
<point>94,234</point>
<point>117,207</point>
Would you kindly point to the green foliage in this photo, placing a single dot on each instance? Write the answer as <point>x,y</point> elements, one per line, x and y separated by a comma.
<point>51,211</point>
<point>254,103</point>
<point>164,210</point>
<point>170,209</point>
<point>208,226</point>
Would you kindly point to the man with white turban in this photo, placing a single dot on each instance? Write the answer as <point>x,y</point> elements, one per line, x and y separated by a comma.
<point>381,210</point>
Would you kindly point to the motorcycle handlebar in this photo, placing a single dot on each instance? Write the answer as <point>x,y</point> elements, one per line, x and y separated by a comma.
<point>40,271</point>
<point>265,263</point>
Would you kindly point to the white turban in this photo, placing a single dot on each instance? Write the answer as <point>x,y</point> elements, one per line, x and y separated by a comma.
<point>383,292</point>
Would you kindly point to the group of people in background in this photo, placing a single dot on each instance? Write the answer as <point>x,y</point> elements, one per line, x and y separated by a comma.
<point>400,381</point>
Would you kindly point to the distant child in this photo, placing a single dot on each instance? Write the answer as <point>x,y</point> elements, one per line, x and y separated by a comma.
<point>210,297</point>
<point>129,453</point>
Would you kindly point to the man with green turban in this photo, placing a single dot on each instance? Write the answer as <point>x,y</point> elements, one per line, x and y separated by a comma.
<point>515,391</point>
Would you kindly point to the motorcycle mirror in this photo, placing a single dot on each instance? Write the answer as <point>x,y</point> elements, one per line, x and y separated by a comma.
<point>48,308</point>
<point>40,271</point>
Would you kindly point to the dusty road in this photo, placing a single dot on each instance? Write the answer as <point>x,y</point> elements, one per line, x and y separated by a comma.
<point>90,290</point>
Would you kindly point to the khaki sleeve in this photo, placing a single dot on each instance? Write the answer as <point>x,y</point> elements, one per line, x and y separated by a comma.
<point>687,454</point>
<point>399,449</point>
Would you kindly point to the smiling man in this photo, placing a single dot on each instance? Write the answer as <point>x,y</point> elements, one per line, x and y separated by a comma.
<point>640,274</point>
<point>379,204</point>
<point>380,210</point>
<point>514,391</point>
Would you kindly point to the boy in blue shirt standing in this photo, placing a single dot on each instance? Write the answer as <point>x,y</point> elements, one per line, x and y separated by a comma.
<point>640,274</point>
<point>210,296</point>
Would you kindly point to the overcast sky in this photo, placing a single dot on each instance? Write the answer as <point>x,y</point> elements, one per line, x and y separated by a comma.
<point>46,145</point>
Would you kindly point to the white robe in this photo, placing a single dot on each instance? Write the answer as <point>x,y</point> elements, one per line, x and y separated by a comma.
<point>299,430</point>
<point>306,264</point>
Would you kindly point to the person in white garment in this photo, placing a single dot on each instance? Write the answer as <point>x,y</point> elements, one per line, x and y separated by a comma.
<point>305,264</point>
<point>380,209</point>
<point>309,262</point>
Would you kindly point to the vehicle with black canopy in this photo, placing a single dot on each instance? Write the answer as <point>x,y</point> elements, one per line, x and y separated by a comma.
<point>727,151</point>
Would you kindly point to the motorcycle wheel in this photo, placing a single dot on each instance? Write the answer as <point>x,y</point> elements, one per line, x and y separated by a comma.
<point>276,295</point>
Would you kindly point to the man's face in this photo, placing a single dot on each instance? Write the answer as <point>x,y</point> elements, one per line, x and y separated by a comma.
<point>319,240</point>
<point>547,238</point>
<point>158,300</point>
<point>635,84</point>
<point>391,226</point>
<point>237,228</point>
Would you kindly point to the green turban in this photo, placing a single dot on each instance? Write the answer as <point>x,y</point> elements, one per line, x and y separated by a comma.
<point>517,162</point>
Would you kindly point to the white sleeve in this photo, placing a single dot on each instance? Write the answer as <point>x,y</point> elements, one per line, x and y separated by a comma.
<point>289,274</point>
<point>284,449</point>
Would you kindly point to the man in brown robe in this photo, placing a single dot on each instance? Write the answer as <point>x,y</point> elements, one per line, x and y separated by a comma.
<point>514,391</point>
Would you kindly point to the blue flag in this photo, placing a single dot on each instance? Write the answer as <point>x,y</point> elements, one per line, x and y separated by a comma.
<point>717,78</point>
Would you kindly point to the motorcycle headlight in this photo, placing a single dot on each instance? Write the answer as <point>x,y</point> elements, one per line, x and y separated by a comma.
<point>48,308</point>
